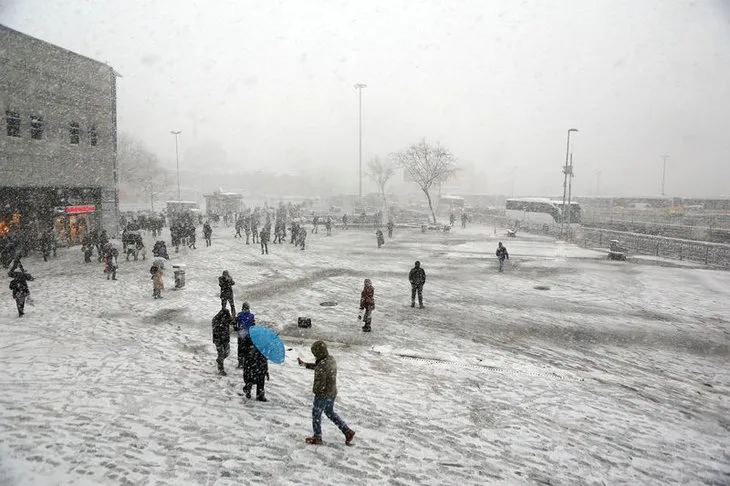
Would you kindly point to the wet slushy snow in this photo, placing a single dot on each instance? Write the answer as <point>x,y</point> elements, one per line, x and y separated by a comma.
<point>613,373</point>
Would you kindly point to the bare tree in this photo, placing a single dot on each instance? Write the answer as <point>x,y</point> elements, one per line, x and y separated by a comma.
<point>427,165</point>
<point>380,172</point>
<point>139,169</point>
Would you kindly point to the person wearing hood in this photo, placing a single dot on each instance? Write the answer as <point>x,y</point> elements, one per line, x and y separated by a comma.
<point>226,283</point>
<point>325,392</point>
<point>367,304</point>
<point>244,320</point>
<point>255,368</point>
<point>222,337</point>
<point>417,277</point>
<point>19,286</point>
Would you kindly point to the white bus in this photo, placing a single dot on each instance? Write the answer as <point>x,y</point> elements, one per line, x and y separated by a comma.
<point>540,211</point>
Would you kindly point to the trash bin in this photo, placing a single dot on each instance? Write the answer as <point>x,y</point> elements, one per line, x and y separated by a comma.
<point>179,271</point>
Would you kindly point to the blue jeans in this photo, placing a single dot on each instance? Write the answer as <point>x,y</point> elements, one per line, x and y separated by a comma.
<point>326,405</point>
<point>501,265</point>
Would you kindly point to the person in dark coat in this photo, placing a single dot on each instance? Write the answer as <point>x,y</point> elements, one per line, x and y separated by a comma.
<point>367,304</point>
<point>222,323</point>
<point>325,392</point>
<point>244,320</point>
<point>226,283</point>
<point>264,238</point>
<point>390,227</point>
<point>207,233</point>
<point>417,277</point>
<point>502,255</point>
<point>379,237</point>
<point>255,369</point>
<point>87,247</point>
<point>21,291</point>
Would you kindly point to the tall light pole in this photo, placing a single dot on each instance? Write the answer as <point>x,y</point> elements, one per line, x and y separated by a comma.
<point>664,171</point>
<point>570,191</point>
<point>177,162</point>
<point>567,169</point>
<point>359,87</point>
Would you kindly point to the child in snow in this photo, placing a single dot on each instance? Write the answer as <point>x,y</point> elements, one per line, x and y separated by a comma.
<point>244,321</point>
<point>367,304</point>
<point>325,392</point>
<point>157,283</point>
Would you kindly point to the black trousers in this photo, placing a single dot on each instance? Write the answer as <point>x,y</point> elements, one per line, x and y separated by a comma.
<point>264,247</point>
<point>20,302</point>
<point>207,241</point>
<point>228,299</point>
<point>417,289</point>
<point>223,349</point>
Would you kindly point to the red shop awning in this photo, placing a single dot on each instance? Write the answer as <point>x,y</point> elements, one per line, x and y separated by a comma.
<point>89,208</point>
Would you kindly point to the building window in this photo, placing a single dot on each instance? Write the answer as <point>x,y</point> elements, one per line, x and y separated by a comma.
<point>36,127</point>
<point>75,132</point>
<point>93,136</point>
<point>12,119</point>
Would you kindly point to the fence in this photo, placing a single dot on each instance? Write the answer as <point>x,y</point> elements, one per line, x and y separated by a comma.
<point>712,254</point>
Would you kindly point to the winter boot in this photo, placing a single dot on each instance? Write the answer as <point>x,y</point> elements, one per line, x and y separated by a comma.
<point>349,435</point>
<point>314,440</point>
<point>222,372</point>
<point>261,398</point>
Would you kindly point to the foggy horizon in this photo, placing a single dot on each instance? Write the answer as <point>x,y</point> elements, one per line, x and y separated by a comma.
<point>270,87</point>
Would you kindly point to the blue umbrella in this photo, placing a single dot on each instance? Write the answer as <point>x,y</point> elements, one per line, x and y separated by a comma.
<point>268,343</point>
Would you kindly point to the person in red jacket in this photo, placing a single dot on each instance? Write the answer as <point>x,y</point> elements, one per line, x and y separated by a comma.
<point>367,304</point>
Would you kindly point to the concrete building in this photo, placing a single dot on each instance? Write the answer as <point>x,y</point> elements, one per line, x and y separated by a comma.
<point>58,130</point>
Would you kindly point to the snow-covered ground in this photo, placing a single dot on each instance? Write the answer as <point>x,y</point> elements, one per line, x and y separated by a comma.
<point>617,373</point>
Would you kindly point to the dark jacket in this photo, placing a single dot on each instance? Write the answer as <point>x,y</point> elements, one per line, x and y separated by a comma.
<point>255,365</point>
<point>19,284</point>
<point>207,230</point>
<point>367,297</point>
<point>417,276</point>
<point>502,253</point>
<point>221,327</point>
<point>226,284</point>
<point>325,372</point>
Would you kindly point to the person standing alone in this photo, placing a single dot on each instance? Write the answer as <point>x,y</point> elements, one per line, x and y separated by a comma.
<point>367,304</point>
<point>502,255</point>
<point>226,283</point>
<point>207,233</point>
<point>417,277</point>
<point>325,392</point>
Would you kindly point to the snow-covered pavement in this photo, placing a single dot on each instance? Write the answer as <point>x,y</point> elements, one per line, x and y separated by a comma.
<point>608,373</point>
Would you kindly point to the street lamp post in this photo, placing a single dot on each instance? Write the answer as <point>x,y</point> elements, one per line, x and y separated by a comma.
<point>359,87</point>
<point>664,171</point>
<point>567,170</point>
<point>177,162</point>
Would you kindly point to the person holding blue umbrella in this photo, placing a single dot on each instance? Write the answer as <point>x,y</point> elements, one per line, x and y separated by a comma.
<point>255,367</point>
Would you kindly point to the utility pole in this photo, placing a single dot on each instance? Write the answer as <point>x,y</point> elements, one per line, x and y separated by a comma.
<point>570,191</point>
<point>359,87</point>
<point>177,162</point>
<point>664,171</point>
<point>566,170</point>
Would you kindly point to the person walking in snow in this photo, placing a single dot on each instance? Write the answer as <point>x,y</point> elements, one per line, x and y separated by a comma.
<point>207,233</point>
<point>158,285</point>
<point>226,283</point>
<point>417,278</point>
<point>255,369</point>
<point>325,392</point>
<point>222,323</point>
<point>244,320</point>
<point>111,263</point>
<point>502,255</point>
<point>301,237</point>
<point>367,304</point>
<point>21,291</point>
<point>379,237</point>
<point>390,227</point>
<point>264,238</point>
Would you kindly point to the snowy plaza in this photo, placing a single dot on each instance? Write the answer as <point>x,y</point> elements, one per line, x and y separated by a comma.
<point>607,373</point>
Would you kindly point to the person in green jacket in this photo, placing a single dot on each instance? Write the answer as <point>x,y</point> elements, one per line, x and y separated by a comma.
<point>325,392</point>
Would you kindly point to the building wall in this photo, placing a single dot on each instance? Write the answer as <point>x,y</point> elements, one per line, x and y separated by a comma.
<point>38,78</point>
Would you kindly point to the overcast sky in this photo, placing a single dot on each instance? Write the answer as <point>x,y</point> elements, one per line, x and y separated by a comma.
<point>499,82</point>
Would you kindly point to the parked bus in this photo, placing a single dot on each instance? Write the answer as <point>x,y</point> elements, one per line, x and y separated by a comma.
<point>540,211</point>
